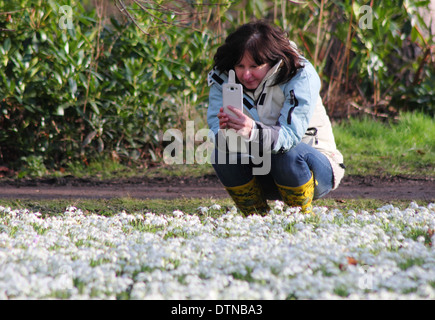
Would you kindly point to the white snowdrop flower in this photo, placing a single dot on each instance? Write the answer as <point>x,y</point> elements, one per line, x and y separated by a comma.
<point>232,210</point>
<point>203,210</point>
<point>177,213</point>
<point>149,215</point>
<point>426,291</point>
<point>421,239</point>
<point>413,205</point>
<point>351,213</point>
<point>71,209</point>
<point>388,207</point>
<point>159,221</point>
<point>278,205</point>
<point>215,206</point>
<point>325,217</point>
<point>139,217</point>
<point>322,211</point>
<point>138,291</point>
<point>217,258</point>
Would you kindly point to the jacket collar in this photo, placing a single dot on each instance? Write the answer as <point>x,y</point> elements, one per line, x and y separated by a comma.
<point>267,80</point>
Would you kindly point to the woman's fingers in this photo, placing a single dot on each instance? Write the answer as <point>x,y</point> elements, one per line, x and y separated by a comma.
<point>223,119</point>
<point>239,113</point>
<point>242,123</point>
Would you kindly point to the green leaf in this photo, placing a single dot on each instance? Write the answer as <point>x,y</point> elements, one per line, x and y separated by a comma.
<point>94,107</point>
<point>72,87</point>
<point>167,72</point>
<point>43,35</point>
<point>88,139</point>
<point>58,77</point>
<point>7,45</point>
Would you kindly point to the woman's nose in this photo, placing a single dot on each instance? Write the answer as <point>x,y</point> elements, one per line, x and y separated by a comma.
<point>246,74</point>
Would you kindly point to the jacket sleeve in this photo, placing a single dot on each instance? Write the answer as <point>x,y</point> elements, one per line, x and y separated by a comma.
<point>301,95</point>
<point>215,103</point>
<point>215,81</point>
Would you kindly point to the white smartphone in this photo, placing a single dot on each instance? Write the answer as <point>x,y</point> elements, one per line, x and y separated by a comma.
<point>232,94</point>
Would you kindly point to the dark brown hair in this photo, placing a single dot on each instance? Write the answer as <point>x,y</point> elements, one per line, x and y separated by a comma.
<point>265,43</point>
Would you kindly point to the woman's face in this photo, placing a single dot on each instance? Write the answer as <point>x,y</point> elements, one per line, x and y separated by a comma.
<point>249,73</point>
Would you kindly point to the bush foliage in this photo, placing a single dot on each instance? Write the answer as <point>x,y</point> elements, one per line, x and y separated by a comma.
<point>101,87</point>
<point>93,89</point>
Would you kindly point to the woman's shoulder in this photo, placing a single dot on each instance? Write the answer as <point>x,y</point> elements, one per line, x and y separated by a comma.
<point>305,73</point>
<point>307,69</point>
<point>306,81</point>
<point>216,76</point>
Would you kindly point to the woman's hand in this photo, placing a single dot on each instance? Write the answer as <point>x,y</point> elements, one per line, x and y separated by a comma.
<point>242,124</point>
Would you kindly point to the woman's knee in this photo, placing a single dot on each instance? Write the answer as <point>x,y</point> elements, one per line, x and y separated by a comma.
<point>231,171</point>
<point>290,168</point>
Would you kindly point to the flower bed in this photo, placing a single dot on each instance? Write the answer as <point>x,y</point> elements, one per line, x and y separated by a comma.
<point>213,254</point>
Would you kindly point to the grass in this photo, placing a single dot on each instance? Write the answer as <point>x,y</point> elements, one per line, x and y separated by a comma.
<point>109,169</point>
<point>109,207</point>
<point>405,147</point>
<point>369,146</point>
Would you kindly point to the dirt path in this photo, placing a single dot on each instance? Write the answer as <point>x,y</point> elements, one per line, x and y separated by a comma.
<point>385,188</point>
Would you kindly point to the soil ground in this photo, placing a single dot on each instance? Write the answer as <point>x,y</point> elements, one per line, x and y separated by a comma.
<point>351,187</point>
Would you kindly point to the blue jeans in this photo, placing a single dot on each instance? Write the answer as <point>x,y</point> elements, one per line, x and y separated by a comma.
<point>290,169</point>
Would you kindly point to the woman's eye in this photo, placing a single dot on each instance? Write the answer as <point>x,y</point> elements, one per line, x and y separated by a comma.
<point>261,66</point>
<point>250,67</point>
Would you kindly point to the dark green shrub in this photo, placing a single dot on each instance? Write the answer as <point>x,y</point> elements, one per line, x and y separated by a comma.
<point>103,88</point>
<point>95,89</point>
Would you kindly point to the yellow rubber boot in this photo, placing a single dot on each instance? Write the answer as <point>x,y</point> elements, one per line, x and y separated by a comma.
<point>249,198</point>
<point>299,196</point>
